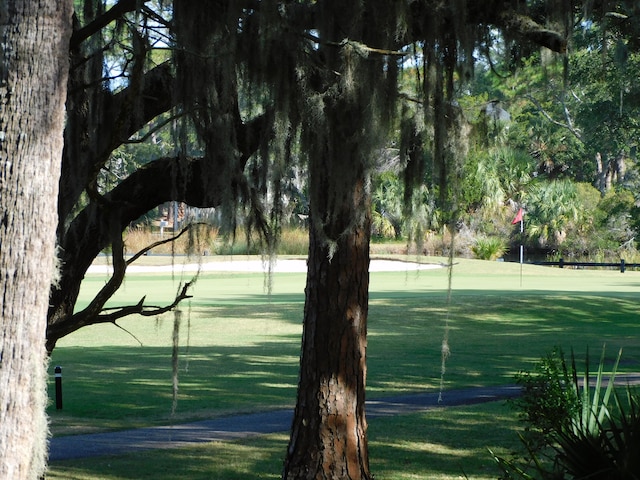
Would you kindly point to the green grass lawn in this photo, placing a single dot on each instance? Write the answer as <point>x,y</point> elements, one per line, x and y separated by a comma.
<point>240,346</point>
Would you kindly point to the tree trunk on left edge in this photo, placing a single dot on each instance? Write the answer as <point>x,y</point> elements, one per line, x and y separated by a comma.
<point>33,79</point>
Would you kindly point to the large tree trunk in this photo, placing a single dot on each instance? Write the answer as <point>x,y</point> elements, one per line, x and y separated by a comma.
<point>328,438</point>
<point>33,70</point>
<point>329,432</point>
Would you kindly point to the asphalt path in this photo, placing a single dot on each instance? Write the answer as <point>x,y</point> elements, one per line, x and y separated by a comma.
<point>249,425</point>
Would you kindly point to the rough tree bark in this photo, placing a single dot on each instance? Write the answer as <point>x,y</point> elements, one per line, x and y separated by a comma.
<point>328,438</point>
<point>34,38</point>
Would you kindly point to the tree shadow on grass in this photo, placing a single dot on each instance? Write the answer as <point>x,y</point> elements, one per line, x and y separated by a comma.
<point>491,336</point>
<point>244,357</point>
<point>125,387</point>
<point>258,458</point>
<point>441,443</point>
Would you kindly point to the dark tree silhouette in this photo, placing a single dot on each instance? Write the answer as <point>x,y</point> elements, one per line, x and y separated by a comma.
<point>320,73</point>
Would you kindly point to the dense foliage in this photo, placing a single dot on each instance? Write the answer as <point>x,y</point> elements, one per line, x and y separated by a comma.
<point>555,134</point>
<point>576,426</point>
<point>543,126</point>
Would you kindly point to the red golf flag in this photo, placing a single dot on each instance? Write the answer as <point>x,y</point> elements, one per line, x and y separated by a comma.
<point>518,217</point>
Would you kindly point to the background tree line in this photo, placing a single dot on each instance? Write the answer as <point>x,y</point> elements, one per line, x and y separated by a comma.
<point>556,134</point>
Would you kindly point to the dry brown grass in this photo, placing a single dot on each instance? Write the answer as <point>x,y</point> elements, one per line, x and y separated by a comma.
<point>206,240</point>
<point>199,239</point>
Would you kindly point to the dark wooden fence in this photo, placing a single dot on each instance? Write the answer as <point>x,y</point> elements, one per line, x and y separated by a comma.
<point>622,265</point>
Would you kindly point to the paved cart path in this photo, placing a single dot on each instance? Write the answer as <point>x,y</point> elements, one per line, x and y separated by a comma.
<point>243,426</point>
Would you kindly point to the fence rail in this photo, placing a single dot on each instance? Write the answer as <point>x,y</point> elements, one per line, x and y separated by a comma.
<point>622,265</point>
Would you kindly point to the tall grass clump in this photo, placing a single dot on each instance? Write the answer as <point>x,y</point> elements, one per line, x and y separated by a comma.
<point>576,426</point>
<point>294,241</point>
<point>489,248</point>
<point>206,240</point>
<point>439,243</point>
<point>238,244</point>
<point>198,240</point>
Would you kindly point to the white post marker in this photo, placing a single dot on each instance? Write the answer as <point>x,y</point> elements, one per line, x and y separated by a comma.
<point>520,218</point>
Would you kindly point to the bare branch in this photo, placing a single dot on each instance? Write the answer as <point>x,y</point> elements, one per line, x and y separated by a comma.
<point>357,46</point>
<point>567,116</point>
<point>158,18</point>
<point>155,129</point>
<point>56,331</point>
<point>568,125</point>
<point>145,310</point>
<point>129,333</point>
<point>94,313</point>
<point>162,242</point>
<point>107,291</point>
<point>115,12</point>
<point>409,98</point>
<point>487,54</point>
<point>575,96</point>
<point>119,269</point>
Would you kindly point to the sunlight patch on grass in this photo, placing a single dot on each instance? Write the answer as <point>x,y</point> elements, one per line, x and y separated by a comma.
<point>430,447</point>
<point>233,355</point>
<point>391,387</point>
<point>278,385</point>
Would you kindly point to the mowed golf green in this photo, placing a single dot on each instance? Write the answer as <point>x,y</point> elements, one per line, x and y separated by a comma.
<point>239,345</point>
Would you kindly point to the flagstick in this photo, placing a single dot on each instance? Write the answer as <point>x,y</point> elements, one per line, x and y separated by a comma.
<point>521,248</point>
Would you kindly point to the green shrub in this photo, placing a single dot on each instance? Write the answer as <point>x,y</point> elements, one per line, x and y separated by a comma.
<point>547,403</point>
<point>573,431</point>
<point>381,226</point>
<point>490,248</point>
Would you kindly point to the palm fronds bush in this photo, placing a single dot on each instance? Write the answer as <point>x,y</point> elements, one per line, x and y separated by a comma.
<point>576,426</point>
<point>489,248</point>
